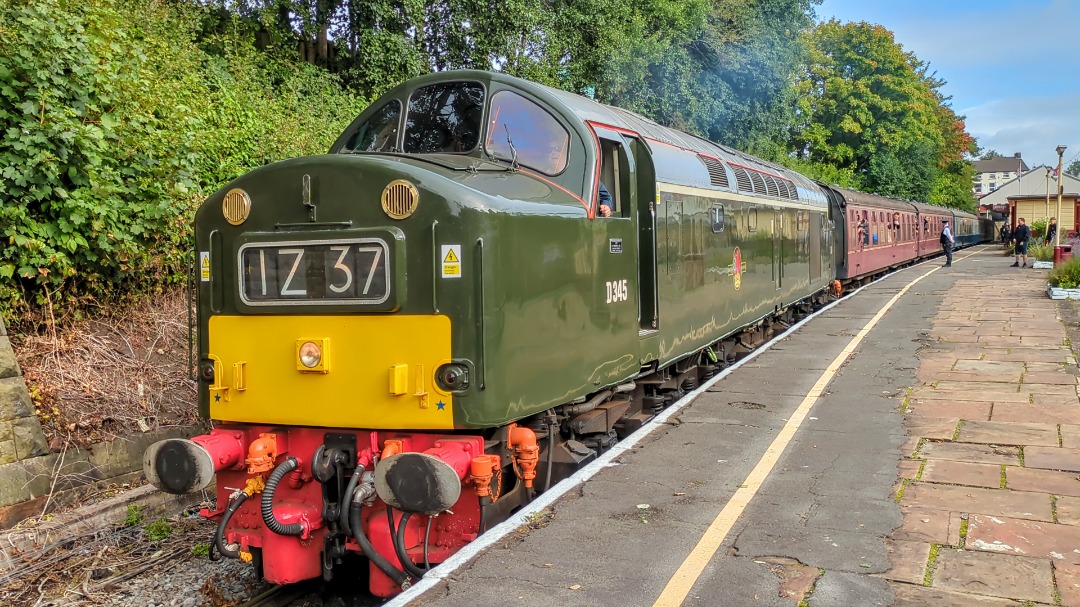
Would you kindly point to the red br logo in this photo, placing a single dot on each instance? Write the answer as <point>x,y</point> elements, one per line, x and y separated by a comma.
<point>736,268</point>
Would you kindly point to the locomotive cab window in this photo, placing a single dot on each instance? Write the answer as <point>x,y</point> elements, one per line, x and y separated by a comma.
<point>379,132</point>
<point>444,118</point>
<point>520,130</point>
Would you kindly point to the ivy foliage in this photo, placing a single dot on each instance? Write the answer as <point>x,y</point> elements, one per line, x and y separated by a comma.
<point>114,123</point>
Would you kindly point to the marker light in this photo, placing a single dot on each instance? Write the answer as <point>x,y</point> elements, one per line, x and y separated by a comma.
<point>206,371</point>
<point>453,376</point>
<point>310,354</point>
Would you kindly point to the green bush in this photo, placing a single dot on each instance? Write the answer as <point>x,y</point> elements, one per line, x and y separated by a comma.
<point>116,123</point>
<point>1041,252</point>
<point>1066,275</point>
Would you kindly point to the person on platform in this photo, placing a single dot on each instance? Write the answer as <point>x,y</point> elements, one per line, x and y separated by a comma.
<point>1051,231</point>
<point>946,242</point>
<point>1020,238</point>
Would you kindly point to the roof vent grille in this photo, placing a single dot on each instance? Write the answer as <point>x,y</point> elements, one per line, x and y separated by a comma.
<point>717,174</point>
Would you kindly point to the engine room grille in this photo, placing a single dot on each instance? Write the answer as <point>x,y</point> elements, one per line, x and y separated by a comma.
<point>742,179</point>
<point>717,174</point>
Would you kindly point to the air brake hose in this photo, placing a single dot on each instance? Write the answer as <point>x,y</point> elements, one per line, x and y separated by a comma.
<point>355,521</point>
<point>268,517</point>
<point>219,535</point>
<point>399,548</point>
<point>347,497</point>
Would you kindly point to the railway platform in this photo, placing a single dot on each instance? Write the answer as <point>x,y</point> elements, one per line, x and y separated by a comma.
<point>917,443</point>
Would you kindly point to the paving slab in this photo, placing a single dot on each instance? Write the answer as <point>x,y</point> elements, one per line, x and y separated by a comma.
<point>939,428</point>
<point>977,454</point>
<point>1044,481</point>
<point>998,575</point>
<point>930,408</point>
<point>1008,433</point>
<point>962,473</point>
<point>908,595</point>
<point>1068,583</point>
<point>907,561</point>
<point>1050,378</point>
<point>1005,535</point>
<point>997,502</point>
<point>1052,458</point>
<point>1070,436</point>
<point>1067,508</point>
<point>1051,413</point>
<point>928,526</point>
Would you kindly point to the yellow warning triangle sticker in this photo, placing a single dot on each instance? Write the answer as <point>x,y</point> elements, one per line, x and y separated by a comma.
<point>206,262</point>
<point>450,257</point>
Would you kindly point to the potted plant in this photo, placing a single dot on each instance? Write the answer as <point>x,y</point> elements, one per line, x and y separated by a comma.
<point>1043,255</point>
<point>1063,282</point>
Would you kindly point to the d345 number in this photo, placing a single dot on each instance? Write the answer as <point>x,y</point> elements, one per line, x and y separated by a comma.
<point>617,290</point>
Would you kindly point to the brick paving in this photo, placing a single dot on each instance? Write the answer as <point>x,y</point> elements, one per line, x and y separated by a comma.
<point>990,484</point>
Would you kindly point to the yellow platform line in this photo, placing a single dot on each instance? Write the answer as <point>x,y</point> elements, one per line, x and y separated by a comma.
<point>680,584</point>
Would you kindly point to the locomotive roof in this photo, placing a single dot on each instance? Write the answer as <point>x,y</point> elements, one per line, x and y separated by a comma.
<point>750,174</point>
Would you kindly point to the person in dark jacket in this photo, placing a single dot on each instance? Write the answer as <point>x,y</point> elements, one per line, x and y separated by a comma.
<point>1020,242</point>
<point>1051,231</point>
<point>947,242</point>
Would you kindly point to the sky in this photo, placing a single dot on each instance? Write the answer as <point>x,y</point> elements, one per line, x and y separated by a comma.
<point>1012,68</point>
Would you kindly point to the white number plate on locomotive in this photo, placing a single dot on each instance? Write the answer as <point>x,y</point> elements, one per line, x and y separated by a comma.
<point>315,272</point>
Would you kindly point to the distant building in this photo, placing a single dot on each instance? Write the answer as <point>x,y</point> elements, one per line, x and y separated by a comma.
<point>992,173</point>
<point>1030,198</point>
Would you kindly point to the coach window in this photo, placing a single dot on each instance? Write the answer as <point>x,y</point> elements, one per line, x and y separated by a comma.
<point>444,118</point>
<point>379,132</point>
<point>519,126</point>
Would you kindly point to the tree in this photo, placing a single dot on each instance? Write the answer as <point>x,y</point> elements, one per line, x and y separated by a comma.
<point>990,155</point>
<point>1073,168</point>
<point>868,107</point>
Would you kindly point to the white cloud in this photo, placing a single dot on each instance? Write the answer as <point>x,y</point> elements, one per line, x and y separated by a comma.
<point>1031,125</point>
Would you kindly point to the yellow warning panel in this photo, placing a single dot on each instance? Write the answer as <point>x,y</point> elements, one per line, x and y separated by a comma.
<point>204,266</point>
<point>451,261</point>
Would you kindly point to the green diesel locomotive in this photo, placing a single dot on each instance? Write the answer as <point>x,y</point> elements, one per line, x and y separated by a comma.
<point>403,340</point>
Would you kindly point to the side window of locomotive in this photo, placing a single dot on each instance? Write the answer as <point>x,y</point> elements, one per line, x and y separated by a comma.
<point>538,139</point>
<point>444,118</point>
<point>716,217</point>
<point>751,220</point>
<point>378,133</point>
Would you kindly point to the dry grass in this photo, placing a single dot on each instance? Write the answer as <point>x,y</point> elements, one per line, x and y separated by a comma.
<point>123,372</point>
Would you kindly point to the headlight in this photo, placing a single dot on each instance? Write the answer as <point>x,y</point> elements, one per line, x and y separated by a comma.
<point>453,376</point>
<point>310,354</point>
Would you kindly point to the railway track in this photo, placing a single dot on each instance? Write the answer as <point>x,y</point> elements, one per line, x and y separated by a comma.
<point>282,596</point>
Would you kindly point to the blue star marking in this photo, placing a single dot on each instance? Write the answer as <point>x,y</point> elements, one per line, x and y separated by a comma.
<point>441,405</point>
<point>217,398</point>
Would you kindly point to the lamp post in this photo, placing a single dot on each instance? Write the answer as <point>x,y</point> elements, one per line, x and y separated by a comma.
<point>1046,209</point>
<point>1019,170</point>
<point>1057,236</point>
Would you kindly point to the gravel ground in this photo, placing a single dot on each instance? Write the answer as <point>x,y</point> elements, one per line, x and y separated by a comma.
<point>159,563</point>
